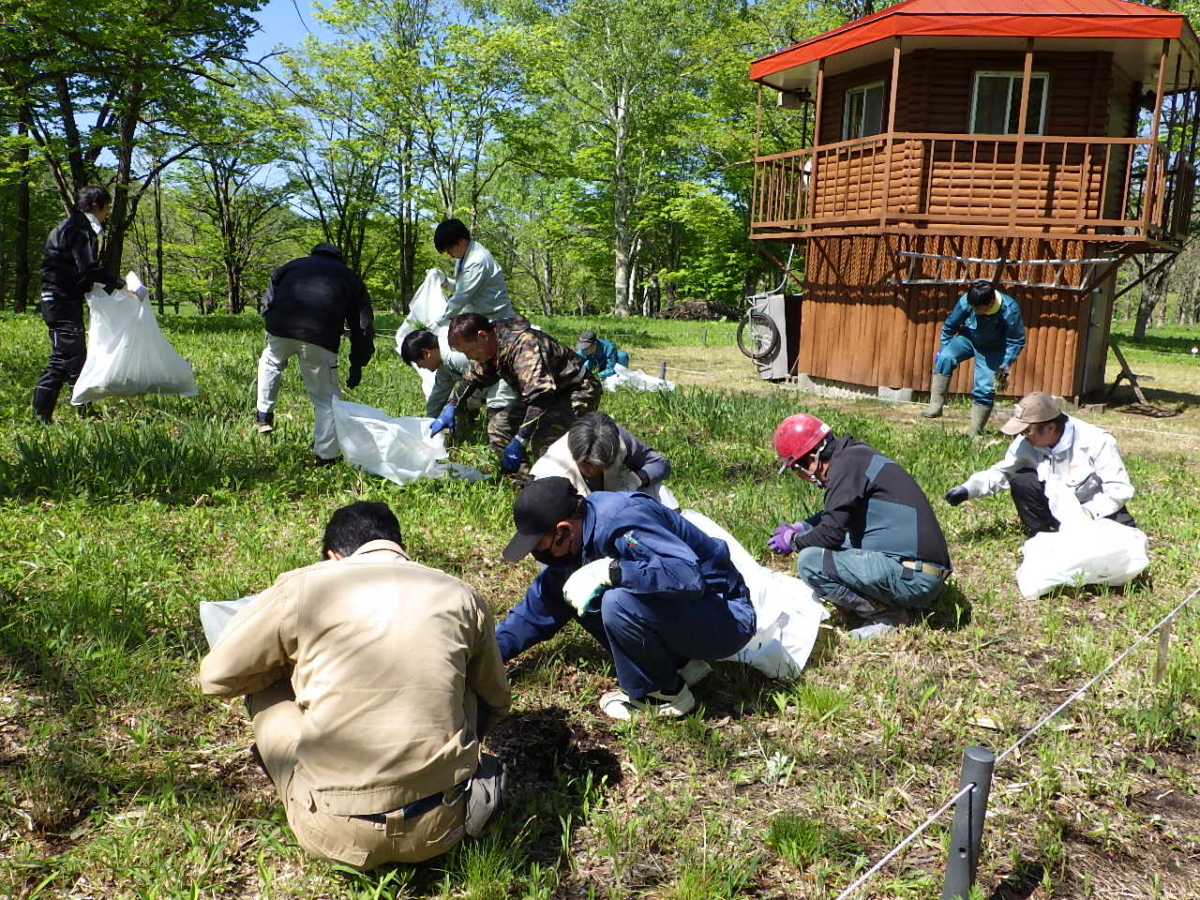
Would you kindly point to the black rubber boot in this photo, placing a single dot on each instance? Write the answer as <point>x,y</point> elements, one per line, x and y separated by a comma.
<point>44,401</point>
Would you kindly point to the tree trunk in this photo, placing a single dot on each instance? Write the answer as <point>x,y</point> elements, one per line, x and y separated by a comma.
<point>622,209</point>
<point>21,242</point>
<point>118,219</point>
<point>1154,290</point>
<point>158,243</point>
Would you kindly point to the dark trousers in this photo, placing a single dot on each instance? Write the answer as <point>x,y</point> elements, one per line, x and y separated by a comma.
<point>1029,497</point>
<point>68,350</point>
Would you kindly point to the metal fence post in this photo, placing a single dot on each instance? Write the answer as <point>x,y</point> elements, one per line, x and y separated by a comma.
<point>967,834</point>
<point>662,370</point>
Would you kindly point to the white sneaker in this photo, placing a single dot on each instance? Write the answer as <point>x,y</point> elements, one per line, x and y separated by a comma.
<point>694,672</point>
<point>619,705</point>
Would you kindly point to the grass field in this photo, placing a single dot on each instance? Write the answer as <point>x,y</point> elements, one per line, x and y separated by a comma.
<point>118,780</point>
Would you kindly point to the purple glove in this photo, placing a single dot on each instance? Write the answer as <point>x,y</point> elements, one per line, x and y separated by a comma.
<point>785,534</point>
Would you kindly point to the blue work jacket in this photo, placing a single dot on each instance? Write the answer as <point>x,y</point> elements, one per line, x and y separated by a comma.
<point>1004,328</point>
<point>660,553</point>
<point>602,362</point>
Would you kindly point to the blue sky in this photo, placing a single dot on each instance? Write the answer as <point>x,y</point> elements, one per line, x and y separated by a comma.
<point>284,22</point>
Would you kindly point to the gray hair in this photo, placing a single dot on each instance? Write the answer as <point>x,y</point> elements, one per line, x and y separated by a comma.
<point>594,439</point>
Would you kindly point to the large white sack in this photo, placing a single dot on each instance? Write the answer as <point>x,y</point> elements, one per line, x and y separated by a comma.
<point>636,379</point>
<point>215,616</point>
<point>399,450</point>
<point>427,307</point>
<point>789,615</point>
<point>1082,551</point>
<point>127,354</point>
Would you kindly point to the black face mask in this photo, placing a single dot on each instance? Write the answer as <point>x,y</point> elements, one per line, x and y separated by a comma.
<point>548,557</point>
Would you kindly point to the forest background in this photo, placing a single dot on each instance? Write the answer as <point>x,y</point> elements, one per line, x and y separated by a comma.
<point>600,148</point>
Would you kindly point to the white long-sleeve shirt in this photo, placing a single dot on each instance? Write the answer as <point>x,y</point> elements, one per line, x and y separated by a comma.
<point>1085,459</point>
<point>479,286</point>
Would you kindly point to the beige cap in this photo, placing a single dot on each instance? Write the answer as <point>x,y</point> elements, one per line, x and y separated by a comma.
<point>1033,408</point>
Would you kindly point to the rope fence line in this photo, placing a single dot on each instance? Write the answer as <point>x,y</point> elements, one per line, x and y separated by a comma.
<point>1041,723</point>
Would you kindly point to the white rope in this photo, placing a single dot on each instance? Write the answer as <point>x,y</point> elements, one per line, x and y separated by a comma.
<point>916,832</point>
<point>853,888</point>
<point>1079,693</point>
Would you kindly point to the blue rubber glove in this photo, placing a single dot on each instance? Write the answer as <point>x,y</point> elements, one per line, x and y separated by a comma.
<point>514,455</point>
<point>782,540</point>
<point>444,420</point>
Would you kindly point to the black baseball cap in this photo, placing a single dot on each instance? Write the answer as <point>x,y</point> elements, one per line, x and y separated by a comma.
<point>327,250</point>
<point>537,509</point>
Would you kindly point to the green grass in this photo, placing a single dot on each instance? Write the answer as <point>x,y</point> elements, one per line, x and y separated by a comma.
<point>117,779</point>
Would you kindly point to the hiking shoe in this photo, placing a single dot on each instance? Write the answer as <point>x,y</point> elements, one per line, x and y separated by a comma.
<point>322,461</point>
<point>619,705</point>
<point>694,672</point>
<point>264,422</point>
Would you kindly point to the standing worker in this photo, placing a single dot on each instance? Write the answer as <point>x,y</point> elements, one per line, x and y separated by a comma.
<point>70,266</point>
<point>1050,444</point>
<point>431,351</point>
<point>308,302</point>
<point>550,378</point>
<point>478,282</point>
<point>876,550</point>
<point>985,324</point>
<point>660,595</point>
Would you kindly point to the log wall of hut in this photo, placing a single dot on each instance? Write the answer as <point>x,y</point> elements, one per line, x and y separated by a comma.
<point>859,328</point>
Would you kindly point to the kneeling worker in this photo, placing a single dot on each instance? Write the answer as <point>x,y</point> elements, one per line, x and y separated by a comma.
<point>876,550</point>
<point>1049,443</point>
<point>550,379</point>
<point>601,356</point>
<point>430,351</point>
<point>655,591</point>
<point>597,454</point>
<point>370,680</point>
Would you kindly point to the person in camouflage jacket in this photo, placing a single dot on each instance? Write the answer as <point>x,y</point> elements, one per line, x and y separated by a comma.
<point>551,379</point>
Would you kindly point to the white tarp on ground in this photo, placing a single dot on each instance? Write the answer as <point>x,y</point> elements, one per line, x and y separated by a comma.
<point>1082,551</point>
<point>636,379</point>
<point>399,450</point>
<point>789,616</point>
<point>127,353</point>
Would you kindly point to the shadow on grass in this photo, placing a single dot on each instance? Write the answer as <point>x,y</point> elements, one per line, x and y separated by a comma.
<point>1021,883</point>
<point>1162,404</point>
<point>951,611</point>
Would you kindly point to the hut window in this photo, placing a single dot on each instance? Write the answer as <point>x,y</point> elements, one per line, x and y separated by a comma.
<point>996,103</point>
<point>863,113</point>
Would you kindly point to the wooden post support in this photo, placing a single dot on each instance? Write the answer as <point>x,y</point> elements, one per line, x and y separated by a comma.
<point>662,370</point>
<point>1150,189</point>
<point>891,132</point>
<point>813,178</point>
<point>1164,646</point>
<point>1019,159</point>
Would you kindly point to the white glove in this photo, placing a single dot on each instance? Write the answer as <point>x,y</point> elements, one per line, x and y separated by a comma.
<point>586,584</point>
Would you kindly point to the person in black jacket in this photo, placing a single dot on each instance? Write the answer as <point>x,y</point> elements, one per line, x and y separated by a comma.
<point>70,266</point>
<point>307,303</point>
<point>876,550</point>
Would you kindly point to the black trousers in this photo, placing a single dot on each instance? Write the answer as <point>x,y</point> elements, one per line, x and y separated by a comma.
<point>68,350</point>
<point>1029,497</point>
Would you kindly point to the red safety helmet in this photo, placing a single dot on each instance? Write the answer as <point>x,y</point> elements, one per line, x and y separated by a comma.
<point>797,436</point>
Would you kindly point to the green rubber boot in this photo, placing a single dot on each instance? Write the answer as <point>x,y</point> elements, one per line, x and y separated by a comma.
<point>937,396</point>
<point>980,413</point>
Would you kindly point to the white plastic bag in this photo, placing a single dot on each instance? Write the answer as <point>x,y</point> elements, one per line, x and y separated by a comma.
<point>216,614</point>
<point>1082,551</point>
<point>127,353</point>
<point>789,616</point>
<point>636,379</point>
<point>399,450</point>
<point>427,307</point>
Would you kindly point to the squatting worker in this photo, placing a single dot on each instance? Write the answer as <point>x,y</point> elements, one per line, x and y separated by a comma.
<point>601,356</point>
<point>987,325</point>
<point>308,303</point>
<point>431,351</point>
<point>660,595</point>
<point>1050,444</point>
<point>597,454</point>
<point>876,550</point>
<point>550,378</point>
<point>370,680</point>
<point>70,266</point>
<point>478,285</point>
